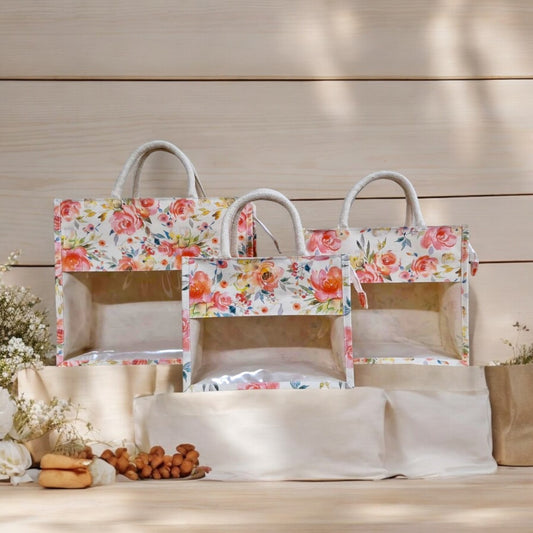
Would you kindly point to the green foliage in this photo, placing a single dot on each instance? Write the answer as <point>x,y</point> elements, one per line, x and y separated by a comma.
<point>522,353</point>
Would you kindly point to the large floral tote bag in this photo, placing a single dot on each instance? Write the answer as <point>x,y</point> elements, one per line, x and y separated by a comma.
<point>266,322</point>
<point>416,279</point>
<point>118,266</point>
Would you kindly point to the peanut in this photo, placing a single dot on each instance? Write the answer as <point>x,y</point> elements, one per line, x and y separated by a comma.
<point>177,459</point>
<point>157,450</point>
<point>186,467</point>
<point>146,472</point>
<point>132,474</point>
<point>192,456</point>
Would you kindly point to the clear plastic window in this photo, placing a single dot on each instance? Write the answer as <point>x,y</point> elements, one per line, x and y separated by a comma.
<point>122,315</point>
<point>234,352</point>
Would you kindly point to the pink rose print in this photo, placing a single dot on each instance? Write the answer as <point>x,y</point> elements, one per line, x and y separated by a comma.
<point>60,332</point>
<point>182,208</point>
<point>69,210</point>
<point>425,266</point>
<point>146,207</point>
<point>324,242</point>
<point>222,301</point>
<point>166,248</point>
<point>187,251</point>
<point>244,217</point>
<point>258,386</point>
<point>200,288</point>
<point>186,332</point>
<point>387,263</point>
<point>327,284</point>
<point>139,362</point>
<point>127,263</point>
<point>369,274</point>
<point>267,275</point>
<point>348,342</point>
<point>75,259</point>
<point>126,220</point>
<point>439,237</point>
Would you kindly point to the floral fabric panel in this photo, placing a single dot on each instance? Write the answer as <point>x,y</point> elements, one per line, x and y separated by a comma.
<point>407,255</point>
<point>273,286</point>
<point>435,253</point>
<point>231,335</point>
<point>142,233</point>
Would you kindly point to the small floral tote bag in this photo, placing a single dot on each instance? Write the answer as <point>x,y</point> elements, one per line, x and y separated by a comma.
<point>416,279</point>
<point>268,323</point>
<point>118,266</point>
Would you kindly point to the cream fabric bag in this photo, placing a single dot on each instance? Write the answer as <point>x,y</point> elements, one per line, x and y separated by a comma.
<point>105,394</point>
<point>272,435</point>
<point>438,420</point>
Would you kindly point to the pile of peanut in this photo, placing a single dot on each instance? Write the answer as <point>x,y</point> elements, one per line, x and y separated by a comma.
<point>154,465</point>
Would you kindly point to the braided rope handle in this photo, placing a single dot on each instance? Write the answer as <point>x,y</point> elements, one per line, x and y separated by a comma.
<point>137,160</point>
<point>228,231</point>
<point>413,214</point>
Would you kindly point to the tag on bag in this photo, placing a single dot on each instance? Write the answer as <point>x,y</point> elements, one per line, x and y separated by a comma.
<point>277,322</point>
<point>416,280</point>
<point>118,266</point>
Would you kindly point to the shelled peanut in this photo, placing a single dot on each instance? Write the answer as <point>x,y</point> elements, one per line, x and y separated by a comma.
<point>156,464</point>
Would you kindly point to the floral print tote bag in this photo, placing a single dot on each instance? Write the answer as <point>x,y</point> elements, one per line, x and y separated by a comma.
<point>266,323</point>
<point>416,279</point>
<point>118,266</point>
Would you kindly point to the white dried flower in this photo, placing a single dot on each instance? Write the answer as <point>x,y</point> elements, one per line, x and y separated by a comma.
<point>15,459</point>
<point>7,410</point>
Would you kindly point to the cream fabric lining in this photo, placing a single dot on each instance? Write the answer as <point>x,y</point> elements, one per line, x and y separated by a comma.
<point>409,320</point>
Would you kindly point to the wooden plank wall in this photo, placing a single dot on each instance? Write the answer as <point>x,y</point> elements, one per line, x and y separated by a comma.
<point>306,97</point>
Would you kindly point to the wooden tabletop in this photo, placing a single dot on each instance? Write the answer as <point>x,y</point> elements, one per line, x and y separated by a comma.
<point>498,502</point>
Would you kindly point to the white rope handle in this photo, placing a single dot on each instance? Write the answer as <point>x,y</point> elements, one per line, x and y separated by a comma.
<point>413,214</point>
<point>228,230</point>
<point>137,159</point>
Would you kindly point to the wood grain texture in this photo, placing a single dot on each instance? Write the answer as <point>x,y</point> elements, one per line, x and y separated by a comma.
<point>510,239</point>
<point>500,295</point>
<point>277,39</point>
<point>489,503</point>
<point>309,139</point>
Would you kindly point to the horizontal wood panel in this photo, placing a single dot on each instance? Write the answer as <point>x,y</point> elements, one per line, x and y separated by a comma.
<point>510,239</point>
<point>500,295</point>
<point>308,139</point>
<point>287,39</point>
<point>500,227</point>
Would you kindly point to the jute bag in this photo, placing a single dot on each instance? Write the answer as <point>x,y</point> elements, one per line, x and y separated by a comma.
<point>275,322</point>
<point>511,398</point>
<point>118,266</point>
<point>104,394</point>
<point>416,279</point>
<point>268,435</point>
<point>438,419</point>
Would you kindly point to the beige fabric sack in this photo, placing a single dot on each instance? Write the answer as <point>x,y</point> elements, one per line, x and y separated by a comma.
<point>105,394</point>
<point>268,435</point>
<point>511,398</point>
<point>438,420</point>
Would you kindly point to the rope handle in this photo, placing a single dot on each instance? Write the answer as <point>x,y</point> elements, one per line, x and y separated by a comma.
<point>228,231</point>
<point>413,214</point>
<point>137,160</point>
